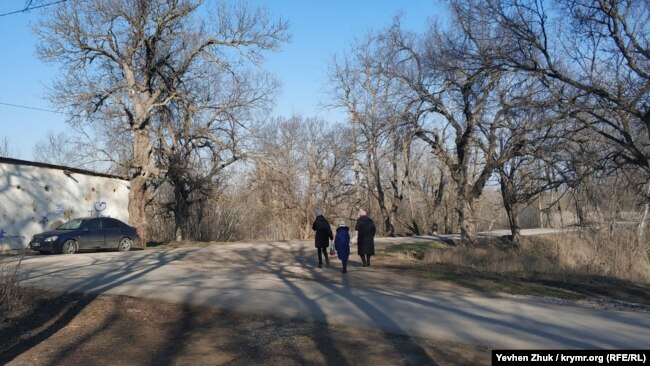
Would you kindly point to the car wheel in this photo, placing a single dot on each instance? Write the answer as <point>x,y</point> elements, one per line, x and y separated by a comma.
<point>125,244</point>
<point>69,247</point>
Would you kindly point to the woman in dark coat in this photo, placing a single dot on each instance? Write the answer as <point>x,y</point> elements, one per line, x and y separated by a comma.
<point>365,237</point>
<point>323,236</point>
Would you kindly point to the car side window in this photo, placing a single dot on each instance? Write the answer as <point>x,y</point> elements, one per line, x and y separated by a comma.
<point>110,224</point>
<point>94,225</point>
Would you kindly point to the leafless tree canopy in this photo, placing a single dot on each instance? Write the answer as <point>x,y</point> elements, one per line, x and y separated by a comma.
<point>143,62</point>
<point>514,113</point>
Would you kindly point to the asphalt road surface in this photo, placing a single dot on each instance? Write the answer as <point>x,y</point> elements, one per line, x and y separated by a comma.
<point>281,279</point>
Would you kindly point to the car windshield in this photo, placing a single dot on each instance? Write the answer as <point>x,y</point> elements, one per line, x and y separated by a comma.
<point>71,225</point>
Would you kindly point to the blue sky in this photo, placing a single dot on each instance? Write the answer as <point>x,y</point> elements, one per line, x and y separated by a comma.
<point>319,29</point>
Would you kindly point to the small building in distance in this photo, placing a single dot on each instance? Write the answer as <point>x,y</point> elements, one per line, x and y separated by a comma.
<point>35,197</point>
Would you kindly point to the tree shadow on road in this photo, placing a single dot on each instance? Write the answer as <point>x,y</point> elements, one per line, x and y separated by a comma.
<point>409,350</point>
<point>178,333</point>
<point>39,324</point>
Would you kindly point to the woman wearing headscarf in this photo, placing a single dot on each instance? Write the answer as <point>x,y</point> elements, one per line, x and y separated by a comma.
<point>365,237</point>
<point>323,236</point>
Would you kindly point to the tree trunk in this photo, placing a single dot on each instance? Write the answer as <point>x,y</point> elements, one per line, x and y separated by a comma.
<point>399,181</point>
<point>180,233</point>
<point>357,180</point>
<point>441,190</point>
<point>138,195</point>
<point>144,166</point>
<point>451,221</point>
<point>414,226</point>
<point>515,228</point>
<point>513,220</point>
<point>549,221</point>
<point>390,228</point>
<point>388,224</point>
<point>466,220</point>
<point>640,230</point>
<point>137,207</point>
<point>438,195</point>
<point>381,196</point>
<point>508,195</point>
<point>539,212</point>
<point>181,213</point>
<point>581,210</point>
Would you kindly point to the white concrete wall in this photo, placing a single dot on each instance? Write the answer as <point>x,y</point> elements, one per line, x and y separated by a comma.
<point>35,199</point>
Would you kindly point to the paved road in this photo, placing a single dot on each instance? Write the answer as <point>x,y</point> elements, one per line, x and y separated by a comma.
<point>281,279</point>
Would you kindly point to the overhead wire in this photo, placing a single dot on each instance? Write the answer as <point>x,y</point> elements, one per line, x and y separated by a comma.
<point>28,7</point>
<point>57,112</point>
<point>27,107</point>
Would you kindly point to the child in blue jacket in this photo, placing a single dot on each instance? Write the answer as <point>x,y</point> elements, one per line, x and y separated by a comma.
<point>342,244</point>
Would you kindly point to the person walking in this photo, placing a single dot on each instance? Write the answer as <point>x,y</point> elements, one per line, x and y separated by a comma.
<point>323,236</point>
<point>342,244</point>
<point>365,237</point>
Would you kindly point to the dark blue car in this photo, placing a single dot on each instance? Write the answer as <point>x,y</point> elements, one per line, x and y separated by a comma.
<point>89,233</point>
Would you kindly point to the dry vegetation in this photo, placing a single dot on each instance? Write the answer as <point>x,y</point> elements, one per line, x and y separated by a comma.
<point>11,298</point>
<point>581,264</point>
<point>588,252</point>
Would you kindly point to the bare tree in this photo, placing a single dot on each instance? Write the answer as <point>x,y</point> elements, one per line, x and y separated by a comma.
<point>128,61</point>
<point>595,58</point>
<point>450,102</point>
<point>344,79</point>
<point>327,151</point>
<point>531,133</point>
<point>6,150</point>
<point>94,150</point>
<point>301,164</point>
<point>428,193</point>
<point>54,149</point>
<point>197,140</point>
<point>376,119</point>
<point>524,178</point>
<point>193,163</point>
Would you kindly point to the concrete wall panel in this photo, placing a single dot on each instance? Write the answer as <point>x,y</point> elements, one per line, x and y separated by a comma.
<point>35,199</point>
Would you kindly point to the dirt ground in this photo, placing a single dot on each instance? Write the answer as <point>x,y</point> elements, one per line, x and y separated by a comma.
<point>72,329</point>
<point>69,329</point>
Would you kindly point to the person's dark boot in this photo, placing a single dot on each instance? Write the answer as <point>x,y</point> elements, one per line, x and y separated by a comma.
<point>320,265</point>
<point>368,261</point>
<point>327,260</point>
<point>345,267</point>
<point>363,260</point>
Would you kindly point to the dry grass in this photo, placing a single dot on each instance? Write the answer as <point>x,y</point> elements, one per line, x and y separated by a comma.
<point>11,297</point>
<point>615,255</point>
<point>596,264</point>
